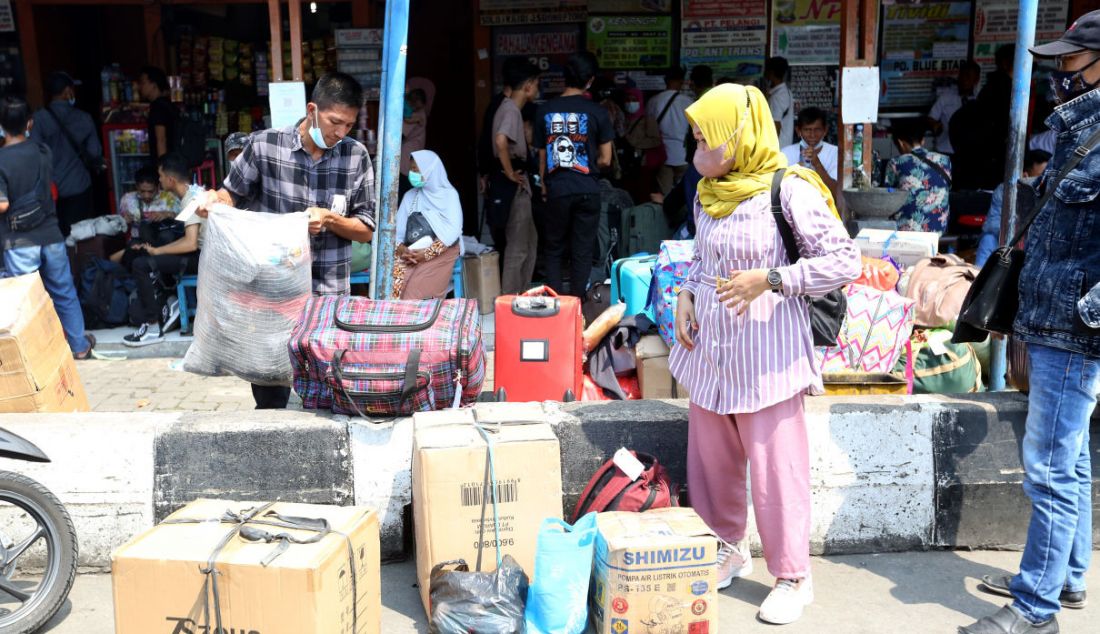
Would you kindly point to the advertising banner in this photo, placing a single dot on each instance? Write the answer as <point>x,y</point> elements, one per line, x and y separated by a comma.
<point>631,42</point>
<point>806,31</point>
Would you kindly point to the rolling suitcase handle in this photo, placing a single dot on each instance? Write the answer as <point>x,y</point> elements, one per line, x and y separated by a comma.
<point>538,302</point>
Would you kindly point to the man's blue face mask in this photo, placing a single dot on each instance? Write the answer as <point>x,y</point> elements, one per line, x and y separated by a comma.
<point>317,136</point>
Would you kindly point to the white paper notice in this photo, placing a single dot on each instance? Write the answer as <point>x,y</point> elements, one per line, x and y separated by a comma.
<point>288,102</point>
<point>629,464</point>
<point>859,92</point>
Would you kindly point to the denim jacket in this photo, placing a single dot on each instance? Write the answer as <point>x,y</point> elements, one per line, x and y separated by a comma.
<point>1063,246</point>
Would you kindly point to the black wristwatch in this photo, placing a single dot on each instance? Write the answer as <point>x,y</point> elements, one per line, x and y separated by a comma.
<point>775,280</point>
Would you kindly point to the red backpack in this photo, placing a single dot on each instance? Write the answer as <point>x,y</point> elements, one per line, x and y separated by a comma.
<point>612,490</point>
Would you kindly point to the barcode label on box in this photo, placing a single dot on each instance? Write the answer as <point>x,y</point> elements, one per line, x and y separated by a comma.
<point>505,491</point>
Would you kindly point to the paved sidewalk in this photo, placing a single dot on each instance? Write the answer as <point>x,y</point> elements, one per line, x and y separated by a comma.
<point>914,593</point>
<point>159,384</point>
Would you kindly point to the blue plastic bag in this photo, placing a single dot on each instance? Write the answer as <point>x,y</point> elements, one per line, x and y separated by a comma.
<point>557,601</point>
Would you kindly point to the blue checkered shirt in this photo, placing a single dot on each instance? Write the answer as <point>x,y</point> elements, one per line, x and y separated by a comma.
<point>275,174</point>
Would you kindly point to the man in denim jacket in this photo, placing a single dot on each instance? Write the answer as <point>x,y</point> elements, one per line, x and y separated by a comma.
<point>1062,266</point>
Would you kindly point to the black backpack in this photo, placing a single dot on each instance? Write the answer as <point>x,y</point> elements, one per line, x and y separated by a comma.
<point>191,140</point>
<point>104,293</point>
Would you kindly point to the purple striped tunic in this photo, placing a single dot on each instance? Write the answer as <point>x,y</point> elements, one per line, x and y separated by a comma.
<point>745,363</point>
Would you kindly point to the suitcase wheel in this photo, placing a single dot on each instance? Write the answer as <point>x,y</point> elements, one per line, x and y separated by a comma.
<point>502,395</point>
<point>568,397</point>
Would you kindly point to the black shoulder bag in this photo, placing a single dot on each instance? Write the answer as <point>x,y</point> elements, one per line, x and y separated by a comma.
<point>826,313</point>
<point>934,165</point>
<point>95,166</point>
<point>29,211</point>
<point>994,297</point>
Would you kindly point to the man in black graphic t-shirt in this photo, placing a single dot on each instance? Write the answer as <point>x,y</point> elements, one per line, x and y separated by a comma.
<point>574,139</point>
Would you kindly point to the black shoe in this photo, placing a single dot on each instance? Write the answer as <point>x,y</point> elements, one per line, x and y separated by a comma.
<point>999,585</point>
<point>1009,621</point>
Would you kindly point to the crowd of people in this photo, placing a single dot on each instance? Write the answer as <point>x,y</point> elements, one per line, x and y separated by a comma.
<point>745,350</point>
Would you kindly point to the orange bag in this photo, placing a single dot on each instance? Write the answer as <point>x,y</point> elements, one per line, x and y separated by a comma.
<point>878,274</point>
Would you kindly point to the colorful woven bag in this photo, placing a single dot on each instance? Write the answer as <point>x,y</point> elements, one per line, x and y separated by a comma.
<point>874,333</point>
<point>668,276</point>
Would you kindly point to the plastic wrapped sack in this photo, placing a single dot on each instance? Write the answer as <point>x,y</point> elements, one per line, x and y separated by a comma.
<point>482,602</point>
<point>557,602</point>
<point>255,276</point>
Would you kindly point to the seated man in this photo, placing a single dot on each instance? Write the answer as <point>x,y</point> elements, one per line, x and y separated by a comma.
<point>812,151</point>
<point>1035,163</point>
<point>150,264</point>
<point>148,202</point>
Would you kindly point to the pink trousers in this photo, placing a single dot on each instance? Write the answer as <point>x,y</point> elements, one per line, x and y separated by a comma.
<point>773,443</point>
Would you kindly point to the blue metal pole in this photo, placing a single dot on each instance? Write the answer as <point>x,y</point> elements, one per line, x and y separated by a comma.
<point>1014,161</point>
<point>394,55</point>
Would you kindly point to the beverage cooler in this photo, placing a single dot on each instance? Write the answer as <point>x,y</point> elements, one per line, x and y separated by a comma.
<point>126,149</point>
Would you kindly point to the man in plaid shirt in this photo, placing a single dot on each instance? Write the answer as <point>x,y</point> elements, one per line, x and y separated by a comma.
<point>305,167</point>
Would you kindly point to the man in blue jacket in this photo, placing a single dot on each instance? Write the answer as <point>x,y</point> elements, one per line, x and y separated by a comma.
<point>1062,265</point>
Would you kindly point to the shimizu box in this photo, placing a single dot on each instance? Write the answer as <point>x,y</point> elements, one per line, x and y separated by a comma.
<point>37,373</point>
<point>319,575</point>
<point>655,572</point>
<point>448,475</point>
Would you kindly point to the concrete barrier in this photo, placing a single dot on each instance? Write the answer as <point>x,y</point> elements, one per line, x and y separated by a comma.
<point>888,473</point>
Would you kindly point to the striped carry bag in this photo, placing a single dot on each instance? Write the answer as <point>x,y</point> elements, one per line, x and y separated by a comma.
<point>365,357</point>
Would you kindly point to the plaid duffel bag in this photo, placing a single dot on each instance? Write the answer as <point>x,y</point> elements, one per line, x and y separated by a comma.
<point>359,356</point>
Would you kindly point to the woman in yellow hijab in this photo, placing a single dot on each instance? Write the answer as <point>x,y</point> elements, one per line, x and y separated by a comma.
<point>744,349</point>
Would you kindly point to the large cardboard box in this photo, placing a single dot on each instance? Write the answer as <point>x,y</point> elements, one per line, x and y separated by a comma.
<point>448,473</point>
<point>655,572</point>
<point>481,279</point>
<point>37,373</point>
<point>905,247</point>
<point>654,378</point>
<point>331,586</point>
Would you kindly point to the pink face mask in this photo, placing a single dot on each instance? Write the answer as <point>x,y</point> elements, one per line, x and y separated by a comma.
<point>713,163</point>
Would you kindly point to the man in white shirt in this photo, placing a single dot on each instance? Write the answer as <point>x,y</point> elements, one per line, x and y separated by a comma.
<point>668,109</point>
<point>949,102</point>
<point>779,99</point>
<point>812,151</point>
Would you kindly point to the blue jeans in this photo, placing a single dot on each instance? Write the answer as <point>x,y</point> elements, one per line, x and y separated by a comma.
<point>52,263</point>
<point>1058,479</point>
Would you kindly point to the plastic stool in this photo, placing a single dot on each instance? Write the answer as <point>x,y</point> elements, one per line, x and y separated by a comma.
<point>186,310</point>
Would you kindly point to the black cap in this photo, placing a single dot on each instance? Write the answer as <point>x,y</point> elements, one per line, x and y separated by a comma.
<point>58,81</point>
<point>1084,34</point>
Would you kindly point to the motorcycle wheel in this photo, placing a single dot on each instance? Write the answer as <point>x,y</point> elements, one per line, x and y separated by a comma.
<point>25,606</point>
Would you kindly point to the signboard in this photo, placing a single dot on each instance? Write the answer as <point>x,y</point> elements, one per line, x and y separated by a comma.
<point>288,102</point>
<point>731,39</point>
<point>995,26</point>
<point>814,87</point>
<point>507,12</point>
<point>547,46</point>
<point>629,6</point>
<point>7,19</point>
<point>722,8</point>
<point>923,46</point>
<point>806,31</point>
<point>631,42</point>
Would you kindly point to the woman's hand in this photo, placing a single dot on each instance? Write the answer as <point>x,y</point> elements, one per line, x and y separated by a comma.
<point>742,288</point>
<point>686,325</point>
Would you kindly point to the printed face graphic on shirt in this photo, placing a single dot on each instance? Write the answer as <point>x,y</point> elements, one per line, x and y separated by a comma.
<point>567,142</point>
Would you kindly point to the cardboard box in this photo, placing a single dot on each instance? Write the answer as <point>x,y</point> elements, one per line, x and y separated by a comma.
<point>448,474</point>
<point>319,588</point>
<point>906,247</point>
<point>37,373</point>
<point>655,572</point>
<point>481,279</point>
<point>654,378</point>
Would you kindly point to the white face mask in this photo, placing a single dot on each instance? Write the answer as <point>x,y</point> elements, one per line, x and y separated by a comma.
<point>632,107</point>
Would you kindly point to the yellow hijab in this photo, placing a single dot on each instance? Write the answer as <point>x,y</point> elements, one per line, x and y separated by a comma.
<point>718,114</point>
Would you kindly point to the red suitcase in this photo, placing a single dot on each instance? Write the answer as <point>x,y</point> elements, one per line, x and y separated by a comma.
<point>538,354</point>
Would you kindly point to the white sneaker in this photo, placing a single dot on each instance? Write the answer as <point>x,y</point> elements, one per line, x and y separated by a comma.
<point>145,335</point>
<point>786,601</point>
<point>170,314</point>
<point>734,560</point>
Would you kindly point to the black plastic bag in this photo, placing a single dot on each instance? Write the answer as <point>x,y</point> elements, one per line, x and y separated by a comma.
<point>481,602</point>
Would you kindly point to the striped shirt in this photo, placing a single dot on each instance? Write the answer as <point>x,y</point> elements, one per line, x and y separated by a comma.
<point>745,363</point>
<point>276,174</point>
